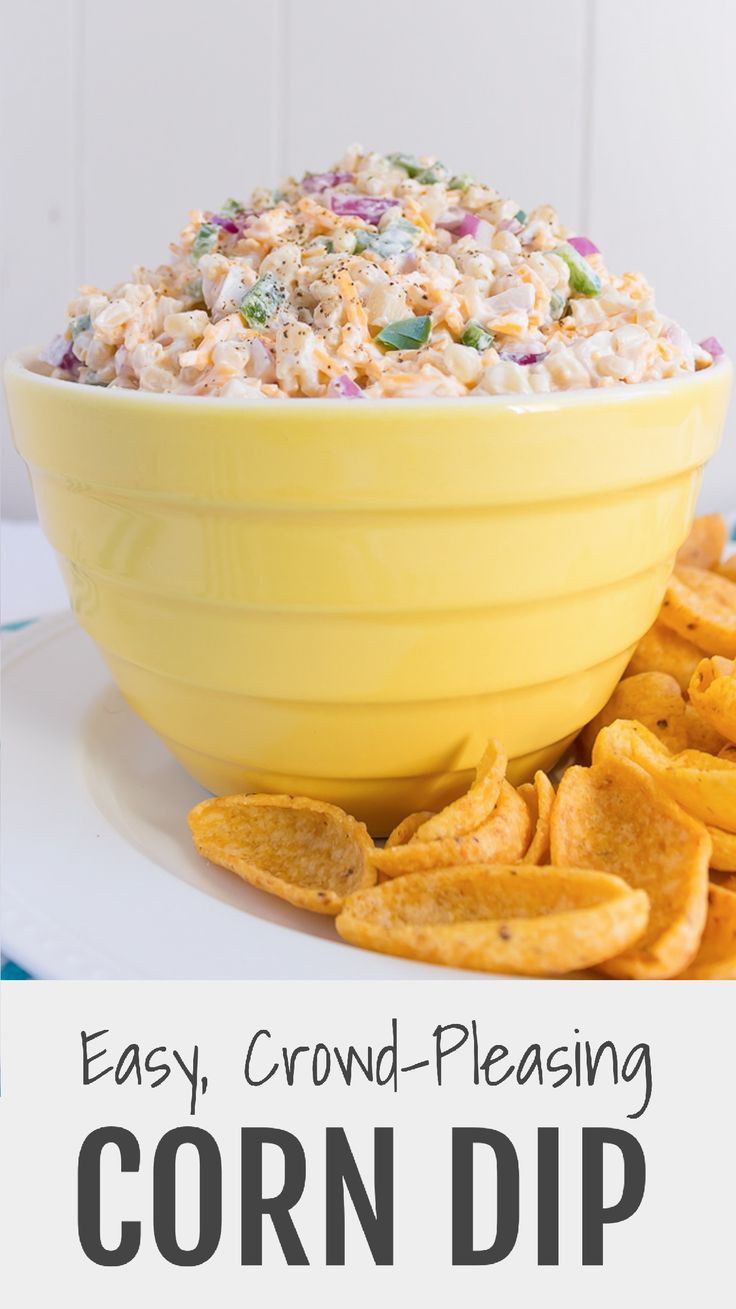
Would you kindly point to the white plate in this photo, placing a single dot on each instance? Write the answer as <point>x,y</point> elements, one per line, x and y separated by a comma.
<point>100,879</point>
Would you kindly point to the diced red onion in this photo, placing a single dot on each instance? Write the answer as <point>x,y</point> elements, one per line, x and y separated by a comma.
<point>479,228</point>
<point>510,225</point>
<point>345,388</point>
<point>468,225</point>
<point>452,218</point>
<point>462,223</point>
<point>59,354</point>
<point>227,223</point>
<point>533,358</point>
<point>583,246</point>
<point>370,208</point>
<point>70,363</point>
<point>713,346</point>
<point>321,181</point>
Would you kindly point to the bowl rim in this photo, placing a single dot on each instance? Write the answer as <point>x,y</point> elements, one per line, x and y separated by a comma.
<point>19,364</point>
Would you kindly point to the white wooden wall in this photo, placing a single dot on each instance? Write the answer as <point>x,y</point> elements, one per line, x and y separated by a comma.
<point>117,118</point>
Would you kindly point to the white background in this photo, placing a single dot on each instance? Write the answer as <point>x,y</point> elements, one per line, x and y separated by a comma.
<point>677,1250</point>
<point>117,119</point>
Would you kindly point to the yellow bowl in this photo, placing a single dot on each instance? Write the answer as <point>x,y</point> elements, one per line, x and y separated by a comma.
<point>345,599</point>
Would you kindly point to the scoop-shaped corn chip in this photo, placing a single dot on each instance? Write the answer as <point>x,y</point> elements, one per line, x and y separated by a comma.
<point>723,858</point>
<point>713,693</point>
<point>662,651</point>
<point>654,699</point>
<point>716,958</point>
<point>701,607</point>
<point>471,809</point>
<point>725,880</point>
<point>528,793</point>
<point>704,546</point>
<point>307,852</point>
<point>538,798</point>
<point>537,921</point>
<point>704,784</point>
<point>614,816</point>
<point>503,838</point>
<point>727,568</point>
<point>728,752</point>
<point>405,830</point>
<point>700,734</point>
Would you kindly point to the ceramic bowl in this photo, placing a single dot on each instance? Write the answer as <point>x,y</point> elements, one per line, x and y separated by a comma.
<point>345,599</point>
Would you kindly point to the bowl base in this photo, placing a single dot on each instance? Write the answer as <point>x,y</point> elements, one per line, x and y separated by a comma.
<point>379,803</point>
